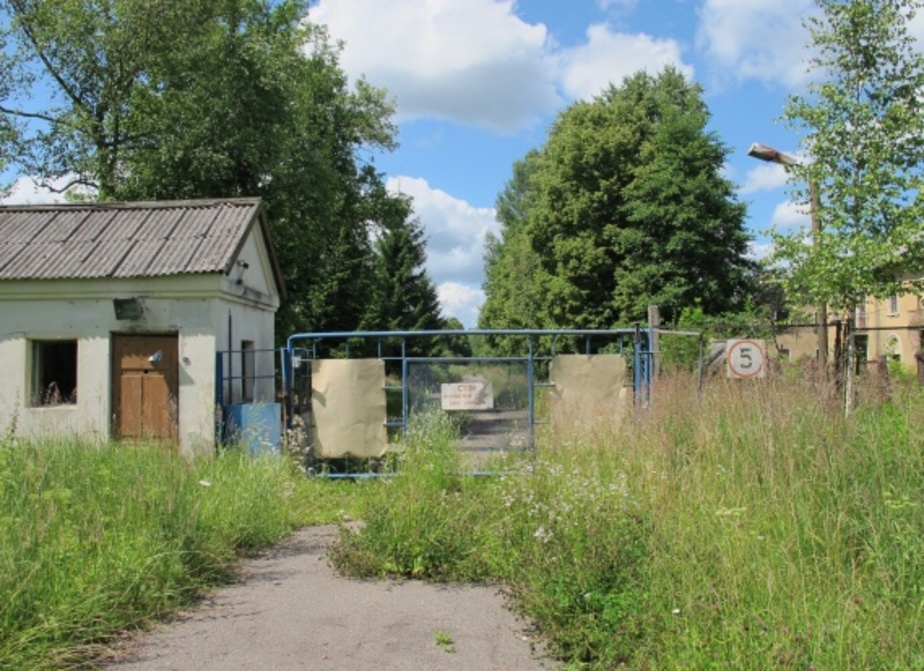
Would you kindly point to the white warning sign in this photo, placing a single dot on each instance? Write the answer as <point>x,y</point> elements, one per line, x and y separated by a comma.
<point>746,359</point>
<point>474,395</point>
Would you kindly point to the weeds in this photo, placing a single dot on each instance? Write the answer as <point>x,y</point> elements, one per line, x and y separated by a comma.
<point>755,529</point>
<point>444,640</point>
<point>758,529</point>
<point>98,539</point>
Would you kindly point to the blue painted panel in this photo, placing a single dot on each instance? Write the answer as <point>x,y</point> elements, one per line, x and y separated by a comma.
<point>257,425</point>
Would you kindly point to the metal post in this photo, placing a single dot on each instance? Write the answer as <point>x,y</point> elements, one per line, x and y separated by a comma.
<point>219,406</point>
<point>822,327</point>
<point>530,382</point>
<point>404,390</point>
<point>288,372</point>
<point>702,347</point>
<point>637,369</point>
<point>654,321</point>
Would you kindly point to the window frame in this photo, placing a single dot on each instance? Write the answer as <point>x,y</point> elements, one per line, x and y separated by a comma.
<point>893,305</point>
<point>53,362</point>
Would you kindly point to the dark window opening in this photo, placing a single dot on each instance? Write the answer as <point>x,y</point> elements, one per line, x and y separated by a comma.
<point>247,371</point>
<point>54,372</point>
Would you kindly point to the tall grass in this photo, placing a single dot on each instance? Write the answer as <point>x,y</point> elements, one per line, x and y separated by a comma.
<point>756,529</point>
<point>94,540</point>
<point>787,537</point>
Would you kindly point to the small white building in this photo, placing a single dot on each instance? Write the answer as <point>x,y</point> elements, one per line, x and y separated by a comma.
<point>112,318</point>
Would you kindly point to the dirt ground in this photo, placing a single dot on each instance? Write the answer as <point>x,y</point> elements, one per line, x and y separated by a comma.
<point>291,610</point>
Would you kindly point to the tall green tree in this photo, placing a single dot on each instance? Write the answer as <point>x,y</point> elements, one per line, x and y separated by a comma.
<point>862,123</point>
<point>404,296</point>
<point>514,277</point>
<point>197,98</point>
<point>624,206</point>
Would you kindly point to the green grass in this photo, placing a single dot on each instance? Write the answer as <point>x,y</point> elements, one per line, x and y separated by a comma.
<point>759,529</point>
<point>95,540</point>
<point>756,529</point>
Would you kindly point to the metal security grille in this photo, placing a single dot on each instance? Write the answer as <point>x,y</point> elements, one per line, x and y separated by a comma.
<point>497,402</point>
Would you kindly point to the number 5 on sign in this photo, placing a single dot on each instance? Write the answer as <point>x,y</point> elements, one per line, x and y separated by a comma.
<point>746,359</point>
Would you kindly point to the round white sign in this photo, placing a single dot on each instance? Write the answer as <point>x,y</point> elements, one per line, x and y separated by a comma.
<point>746,358</point>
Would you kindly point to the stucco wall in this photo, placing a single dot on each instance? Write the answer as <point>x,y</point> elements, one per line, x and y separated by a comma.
<point>194,307</point>
<point>894,333</point>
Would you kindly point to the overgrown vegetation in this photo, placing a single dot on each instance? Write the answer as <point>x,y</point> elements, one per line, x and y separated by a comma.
<point>759,529</point>
<point>99,539</point>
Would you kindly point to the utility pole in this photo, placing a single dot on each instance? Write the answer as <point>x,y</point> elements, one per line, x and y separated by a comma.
<point>765,153</point>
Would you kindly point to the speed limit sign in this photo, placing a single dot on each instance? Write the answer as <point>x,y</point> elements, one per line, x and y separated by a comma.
<point>745,358</point>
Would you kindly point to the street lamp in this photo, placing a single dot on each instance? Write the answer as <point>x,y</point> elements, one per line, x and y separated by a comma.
<point>771,155</point>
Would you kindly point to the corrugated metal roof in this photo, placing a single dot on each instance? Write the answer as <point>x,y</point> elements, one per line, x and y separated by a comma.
<point>121,240</point>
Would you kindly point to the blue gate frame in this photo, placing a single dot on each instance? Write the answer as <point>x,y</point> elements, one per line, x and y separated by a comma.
<point>304,346</point>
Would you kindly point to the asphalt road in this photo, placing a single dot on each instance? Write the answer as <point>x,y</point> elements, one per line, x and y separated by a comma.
<point>293,611</point>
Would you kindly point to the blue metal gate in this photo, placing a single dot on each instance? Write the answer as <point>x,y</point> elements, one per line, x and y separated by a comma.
<point>397,349</point>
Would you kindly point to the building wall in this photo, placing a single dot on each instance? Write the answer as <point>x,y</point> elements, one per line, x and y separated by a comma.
<point>891,332</point>
<point>892,329</point>
<point>194,307</point>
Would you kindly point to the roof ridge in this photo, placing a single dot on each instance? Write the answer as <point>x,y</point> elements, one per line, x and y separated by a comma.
<point>136,205</point>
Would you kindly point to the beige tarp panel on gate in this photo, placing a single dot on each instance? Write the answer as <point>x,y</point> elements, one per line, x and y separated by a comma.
<point>588,389</point>
<point>348,404</point>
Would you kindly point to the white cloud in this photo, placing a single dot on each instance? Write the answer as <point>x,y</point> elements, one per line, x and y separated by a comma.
<point>916,28</point>
<point>28,191</point>
<point>476,62</point>
<point>470,61</point>
<point>757,39</point>
<point>461,301</point>
<point>617,5</point>
<point>609,56</point>
<point>455,232</point>
<point>764,177</point>
<point>760,250</point>
<point>790,215</point>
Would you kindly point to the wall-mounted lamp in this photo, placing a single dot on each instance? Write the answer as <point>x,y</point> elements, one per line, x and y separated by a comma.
<point>242,265</point>
<point>128,309</point>
<point>157,356</point>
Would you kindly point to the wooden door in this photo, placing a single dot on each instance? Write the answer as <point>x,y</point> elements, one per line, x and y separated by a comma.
<point>145,387</point>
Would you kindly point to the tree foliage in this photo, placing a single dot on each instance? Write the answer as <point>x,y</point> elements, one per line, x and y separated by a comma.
<point>405,298</point>
<point>624,206</point>
<point>863,131</point>
<point>142,100</point>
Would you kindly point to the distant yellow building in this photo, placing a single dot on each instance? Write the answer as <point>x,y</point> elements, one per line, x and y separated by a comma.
<point>891,328</point>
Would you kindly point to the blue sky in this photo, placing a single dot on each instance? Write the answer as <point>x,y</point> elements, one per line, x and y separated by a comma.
<point>477,83</point>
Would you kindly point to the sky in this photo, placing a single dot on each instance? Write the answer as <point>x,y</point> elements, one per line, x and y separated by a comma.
<point>477,83</point>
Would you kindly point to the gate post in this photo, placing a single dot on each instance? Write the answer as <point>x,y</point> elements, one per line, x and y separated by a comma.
<point>654,321</point>
<point>637,369</point>
<point>404,392</point>
<point>531,384</point>
<point>285,353</point>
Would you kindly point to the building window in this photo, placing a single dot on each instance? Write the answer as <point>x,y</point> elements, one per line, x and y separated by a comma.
<point>893,304</point>
<point>894,349</point>
<point>247,371</point>
<point>54,372</point>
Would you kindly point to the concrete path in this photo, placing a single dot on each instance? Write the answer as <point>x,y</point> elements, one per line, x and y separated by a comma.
<point>292,611</point>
